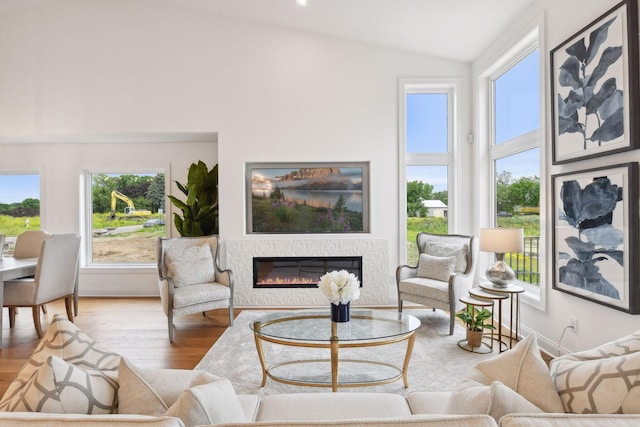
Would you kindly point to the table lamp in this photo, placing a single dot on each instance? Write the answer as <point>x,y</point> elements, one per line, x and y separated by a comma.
<point>501,241</point>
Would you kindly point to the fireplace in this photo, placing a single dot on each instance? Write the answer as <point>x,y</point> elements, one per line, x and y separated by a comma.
<point>300,272</point>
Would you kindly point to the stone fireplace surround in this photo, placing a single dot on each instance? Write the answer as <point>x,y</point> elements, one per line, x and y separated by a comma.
<point>239,256</point>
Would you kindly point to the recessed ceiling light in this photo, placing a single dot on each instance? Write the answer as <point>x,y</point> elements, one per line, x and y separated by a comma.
<point>302,2</point>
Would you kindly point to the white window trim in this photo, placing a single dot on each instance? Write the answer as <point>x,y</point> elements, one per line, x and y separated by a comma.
<point>452,87</point>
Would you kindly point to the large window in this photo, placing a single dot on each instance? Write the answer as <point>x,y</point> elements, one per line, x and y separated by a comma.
<point>515,156</point>
<point>19,206</point>
<point>126,217</point>
<point>426,140</point>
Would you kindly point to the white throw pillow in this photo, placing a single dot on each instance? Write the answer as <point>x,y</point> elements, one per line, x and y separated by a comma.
<point>211,403</point>
<point>495,400</point>
<point>523,370</point>
<point>60,387</point>
<point>436,267</point>
<point>66,341</point>
<point>190,266</point>
<point>446,250</point>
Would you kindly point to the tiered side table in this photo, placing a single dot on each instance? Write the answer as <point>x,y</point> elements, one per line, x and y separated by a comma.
<point>513,292</point>
<point>480,293</point>
<point>470,301</point>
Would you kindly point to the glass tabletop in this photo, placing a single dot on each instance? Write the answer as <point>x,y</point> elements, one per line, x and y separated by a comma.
<point>316,325</point>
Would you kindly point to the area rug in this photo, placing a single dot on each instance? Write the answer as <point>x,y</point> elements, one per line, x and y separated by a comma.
<point>437,362</point>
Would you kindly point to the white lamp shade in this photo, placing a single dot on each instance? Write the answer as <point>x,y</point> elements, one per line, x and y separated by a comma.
<point>502,240</point>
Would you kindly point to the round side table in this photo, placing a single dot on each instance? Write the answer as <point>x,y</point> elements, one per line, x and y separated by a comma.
<point>477,302</point>
<point>513,291</point>
<point>480,293</point>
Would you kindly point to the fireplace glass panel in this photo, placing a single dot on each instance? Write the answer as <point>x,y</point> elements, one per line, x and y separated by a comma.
<point>300,272</point>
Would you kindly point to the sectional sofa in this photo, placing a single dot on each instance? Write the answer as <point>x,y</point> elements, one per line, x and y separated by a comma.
<point>71,381</point>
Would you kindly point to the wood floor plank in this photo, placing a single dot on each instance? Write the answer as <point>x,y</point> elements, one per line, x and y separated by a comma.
<point>133,327</point>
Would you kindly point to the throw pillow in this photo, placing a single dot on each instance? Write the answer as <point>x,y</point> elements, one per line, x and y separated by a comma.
<point>190,266</point>
<point>523,370</point>
<point>435,267</point>
<point>66,341</point>
<point>495,400</point>
<point>607,385</point>
<point>211,403</point>
<point>457,251</point>
<point>60,387</point>
<point>149,391</point>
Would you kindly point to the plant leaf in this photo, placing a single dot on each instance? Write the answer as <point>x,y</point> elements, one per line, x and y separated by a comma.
<point>611,128</point>
<point>570,73</point>
<point>608,88</point>
<point>578,50</point>
<point>609,56</point>
<point>596,38</point>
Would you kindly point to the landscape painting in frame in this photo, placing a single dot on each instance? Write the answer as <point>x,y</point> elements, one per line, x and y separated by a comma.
<point>594,87</point>
<point>307,197</point>
<point>595,235</point>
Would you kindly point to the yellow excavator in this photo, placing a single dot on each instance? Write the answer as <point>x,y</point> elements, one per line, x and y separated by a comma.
<point>130,211</point>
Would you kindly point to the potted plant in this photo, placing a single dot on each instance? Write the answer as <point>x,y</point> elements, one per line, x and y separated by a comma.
<point>475,321</point>
<point>200,210</point>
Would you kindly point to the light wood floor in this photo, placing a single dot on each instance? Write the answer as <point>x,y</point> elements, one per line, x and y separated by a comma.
<point>133,327</point>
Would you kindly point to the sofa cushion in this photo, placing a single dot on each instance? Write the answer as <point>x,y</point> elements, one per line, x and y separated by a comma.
<point>413,420</point>
<point>436,267</point>
<point>495,400</point>
<point>150,391</point>
<point>569,420</point>
<point>607,385</point>
<point>331,406</point>
<point>60,387</point>
<point>64,340</point>
<point>42,419</point>
<point>447,250</point>
<point>190,266</point>
<point>523,370</point>
<point>212,403</point>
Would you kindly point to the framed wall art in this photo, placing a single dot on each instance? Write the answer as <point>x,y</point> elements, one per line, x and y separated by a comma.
<point>594,87</point>
<point>595,235</point>
<point>307,197</point>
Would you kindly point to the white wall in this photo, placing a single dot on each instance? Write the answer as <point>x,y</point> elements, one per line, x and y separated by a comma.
<point>596,323</point>
<point>272,95</point>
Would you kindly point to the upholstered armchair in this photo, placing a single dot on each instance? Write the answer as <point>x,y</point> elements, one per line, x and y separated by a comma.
<point>445,271</point>
<point>190,278</point>
<point>55,278</point>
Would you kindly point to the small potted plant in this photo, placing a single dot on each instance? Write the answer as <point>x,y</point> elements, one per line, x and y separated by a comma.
<point>475,320</point>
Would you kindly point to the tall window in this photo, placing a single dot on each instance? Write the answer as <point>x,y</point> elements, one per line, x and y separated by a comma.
<point>126,217</point>
<point>426,137</point>
<point>515,156</point>
<point>19,206</point>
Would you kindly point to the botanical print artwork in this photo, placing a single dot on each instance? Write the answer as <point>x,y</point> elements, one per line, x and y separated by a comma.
<point>594,83</point>
<point>588,207</point>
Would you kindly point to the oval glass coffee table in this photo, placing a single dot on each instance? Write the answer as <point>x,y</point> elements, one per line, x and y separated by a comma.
<point>314,329</point>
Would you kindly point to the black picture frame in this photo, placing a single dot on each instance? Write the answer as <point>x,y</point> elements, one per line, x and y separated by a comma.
<point>595,235</point>
<point>307,198</point>
<point>594,88</point>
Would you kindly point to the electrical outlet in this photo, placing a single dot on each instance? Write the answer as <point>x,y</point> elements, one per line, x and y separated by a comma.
<point>573,322</point>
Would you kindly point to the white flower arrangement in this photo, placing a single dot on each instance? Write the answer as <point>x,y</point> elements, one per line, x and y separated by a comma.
<point>340,287</point>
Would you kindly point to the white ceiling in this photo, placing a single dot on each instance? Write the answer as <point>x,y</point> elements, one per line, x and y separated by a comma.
<point>454,29</point>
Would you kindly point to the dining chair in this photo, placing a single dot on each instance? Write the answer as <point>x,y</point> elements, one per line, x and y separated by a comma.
<point>28,243</point>
<point>54,279</point>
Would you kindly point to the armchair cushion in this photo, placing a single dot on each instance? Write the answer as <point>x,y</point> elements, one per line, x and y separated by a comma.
<point>436,267</point>
<point>446,250</point>
<point>60,387</point>
<point>190,266</point>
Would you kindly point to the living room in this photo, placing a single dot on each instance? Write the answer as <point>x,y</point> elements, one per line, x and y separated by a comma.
<point>150,85</point>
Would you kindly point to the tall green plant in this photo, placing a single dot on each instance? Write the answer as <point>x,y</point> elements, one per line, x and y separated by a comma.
<point>200,210</point>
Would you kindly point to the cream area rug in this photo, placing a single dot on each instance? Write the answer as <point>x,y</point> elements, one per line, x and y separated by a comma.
<point>437,363</point>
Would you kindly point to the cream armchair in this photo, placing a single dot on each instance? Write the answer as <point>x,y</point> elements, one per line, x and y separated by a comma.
<point>444,273</point>
<point>190,278</point>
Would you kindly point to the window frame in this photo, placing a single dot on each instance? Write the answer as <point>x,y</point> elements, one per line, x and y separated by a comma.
<point>452,88</point>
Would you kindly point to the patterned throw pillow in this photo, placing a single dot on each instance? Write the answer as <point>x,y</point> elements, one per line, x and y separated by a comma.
<point>60,387</point>
<point>190,266</point>
<point>64,340</point>
<point>441,249</point>
<point>436,267</point>
<point>604,380</point>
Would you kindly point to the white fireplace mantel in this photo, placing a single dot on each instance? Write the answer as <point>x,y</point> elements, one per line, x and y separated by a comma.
<point>239,256</point>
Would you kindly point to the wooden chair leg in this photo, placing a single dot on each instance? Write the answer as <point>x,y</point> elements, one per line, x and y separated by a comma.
<point>36,319</point>
<point>68,303</point>
<point>170,322</point>
<point>12,317</point>
<point>44,309</point>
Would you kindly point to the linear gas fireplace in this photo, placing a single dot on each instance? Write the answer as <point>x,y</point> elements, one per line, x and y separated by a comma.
<point>300,272</point>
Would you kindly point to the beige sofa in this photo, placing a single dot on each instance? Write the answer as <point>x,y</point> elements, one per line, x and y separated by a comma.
<point>69,375</point>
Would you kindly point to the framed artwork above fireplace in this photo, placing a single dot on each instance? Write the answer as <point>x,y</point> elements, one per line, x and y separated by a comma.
<point>303,198</point>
